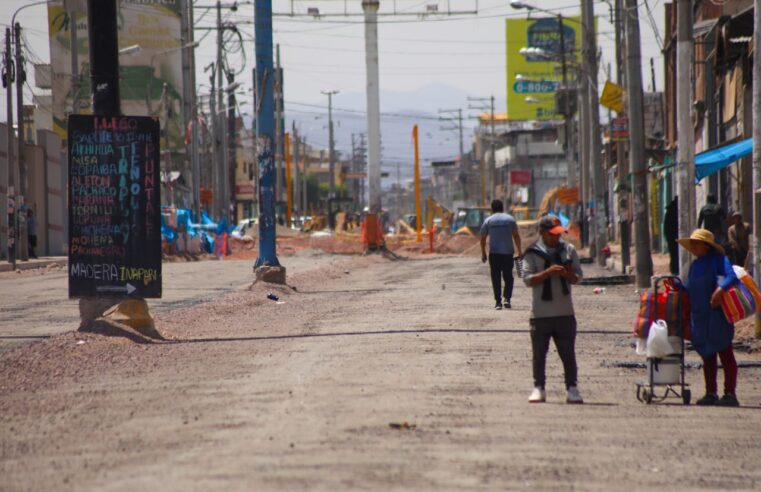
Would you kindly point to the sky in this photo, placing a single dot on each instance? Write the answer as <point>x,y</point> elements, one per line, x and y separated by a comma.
<point>447,57</point>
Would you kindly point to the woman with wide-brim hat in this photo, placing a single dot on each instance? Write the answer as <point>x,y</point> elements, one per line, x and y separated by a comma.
<point>711,274</point>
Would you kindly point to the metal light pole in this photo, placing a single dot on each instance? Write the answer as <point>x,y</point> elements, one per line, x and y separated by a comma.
<point>265,121</point>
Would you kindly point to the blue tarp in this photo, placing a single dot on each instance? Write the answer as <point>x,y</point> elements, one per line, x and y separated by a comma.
<point>710,161</point>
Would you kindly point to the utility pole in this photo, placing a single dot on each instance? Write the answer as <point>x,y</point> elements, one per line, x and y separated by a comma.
<point>584,168</point>
<point>644,264</point>
<point>493,160</point>
<point>418,214</point>
<point>167,152</point>
<point>288,183</point>
<point>595,147</point>
<point>265,117</point>
<point>219,128</point>
<point>23,246</point>
<point>756,150</point>
<point>232,157</point>
<point>278,127</point>
<point>106,99</point>
<point>331,145</point>
<point>370,9</point>
<point>487,174</point>
<point>74,42</point>
<point>622,163</point>
<point>190,100</point>
<point>685,172</point>
<point>331,159</point>
<point>296,172</point>
<point>216,135</point>
<point>8,79</point>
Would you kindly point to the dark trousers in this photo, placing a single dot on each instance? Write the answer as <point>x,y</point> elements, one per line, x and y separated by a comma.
<point>32,245</point>
<point>561,329</point>
<point>673,256</point>
<point>711,369</point>
<point>501,266</point>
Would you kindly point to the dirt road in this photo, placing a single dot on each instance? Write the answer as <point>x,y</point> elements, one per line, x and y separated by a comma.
<point>256,395</point>
<point>41,298</point>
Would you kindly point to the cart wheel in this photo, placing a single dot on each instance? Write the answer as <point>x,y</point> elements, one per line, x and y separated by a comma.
<point>686,396</point>
<point>647,395</point>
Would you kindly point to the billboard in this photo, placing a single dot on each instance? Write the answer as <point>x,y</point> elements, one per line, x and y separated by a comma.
<point>154,26</point>
<point>534,77</point>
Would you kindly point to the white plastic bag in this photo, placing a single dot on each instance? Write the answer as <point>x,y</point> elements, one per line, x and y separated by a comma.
<point>658,344</point>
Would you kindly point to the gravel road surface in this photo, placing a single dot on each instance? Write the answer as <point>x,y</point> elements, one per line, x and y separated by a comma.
<point>372,375</point>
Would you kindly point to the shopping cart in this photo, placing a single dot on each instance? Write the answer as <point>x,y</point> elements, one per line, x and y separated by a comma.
<point>666,373</point>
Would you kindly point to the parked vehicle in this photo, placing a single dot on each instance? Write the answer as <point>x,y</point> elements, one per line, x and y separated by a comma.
<point>243,227</point>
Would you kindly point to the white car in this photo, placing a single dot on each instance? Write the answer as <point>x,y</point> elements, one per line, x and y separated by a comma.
<point>243,227</point>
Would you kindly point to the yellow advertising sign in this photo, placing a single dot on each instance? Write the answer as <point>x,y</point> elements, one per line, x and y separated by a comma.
<point>534,76</point>
<point>612,97</point>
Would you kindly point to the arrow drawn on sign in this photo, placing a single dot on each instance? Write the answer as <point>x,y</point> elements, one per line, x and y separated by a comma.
<point>129,288</point>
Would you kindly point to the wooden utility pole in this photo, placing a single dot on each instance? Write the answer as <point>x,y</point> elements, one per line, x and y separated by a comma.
<point>644,263</point>
<point>756,150</point>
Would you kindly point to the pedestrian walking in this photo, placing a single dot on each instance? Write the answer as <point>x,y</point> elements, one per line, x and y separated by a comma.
<point>711,274</point>
<point>739,238</point>
<point>31,232</point>
<point>713,218</point>
<point>671,231</point>
<point>502,231</point>
<point>551,266</point>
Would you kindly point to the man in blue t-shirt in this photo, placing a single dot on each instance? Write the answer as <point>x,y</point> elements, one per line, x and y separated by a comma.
<point>502,231</point>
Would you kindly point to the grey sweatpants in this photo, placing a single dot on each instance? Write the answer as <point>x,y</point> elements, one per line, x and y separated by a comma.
<point>561,329</point>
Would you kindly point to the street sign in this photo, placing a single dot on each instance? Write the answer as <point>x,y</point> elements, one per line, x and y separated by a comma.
<point>114,206</point>
<point>443,163</point>
<point>536,86</point>
<point>619,129</point>
<point>612,97</point>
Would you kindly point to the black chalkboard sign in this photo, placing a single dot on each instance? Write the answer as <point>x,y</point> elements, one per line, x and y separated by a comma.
<point>114,206</point>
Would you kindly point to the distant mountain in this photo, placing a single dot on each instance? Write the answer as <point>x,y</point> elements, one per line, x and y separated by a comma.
<point>399,112</point>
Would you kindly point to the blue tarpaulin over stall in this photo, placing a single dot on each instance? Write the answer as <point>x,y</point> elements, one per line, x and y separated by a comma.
<point>710,161</point>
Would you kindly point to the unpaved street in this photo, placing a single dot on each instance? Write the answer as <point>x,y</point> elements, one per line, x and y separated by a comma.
<point>41,297</point>
<point>251,394</point>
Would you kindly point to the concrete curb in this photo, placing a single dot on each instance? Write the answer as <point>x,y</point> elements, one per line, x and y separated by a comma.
<point>32,264</point>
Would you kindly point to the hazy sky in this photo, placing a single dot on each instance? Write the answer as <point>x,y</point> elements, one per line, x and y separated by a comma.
<point>463,51</point>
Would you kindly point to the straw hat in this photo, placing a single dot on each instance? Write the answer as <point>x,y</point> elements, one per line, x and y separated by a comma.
<point>703,235</point>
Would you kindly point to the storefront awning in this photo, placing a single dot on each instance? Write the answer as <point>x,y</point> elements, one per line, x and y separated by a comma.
<point>711,161</point>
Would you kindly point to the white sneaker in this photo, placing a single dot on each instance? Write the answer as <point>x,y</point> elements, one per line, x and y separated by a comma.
<point>574,397</point>
<point>537,396</point>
